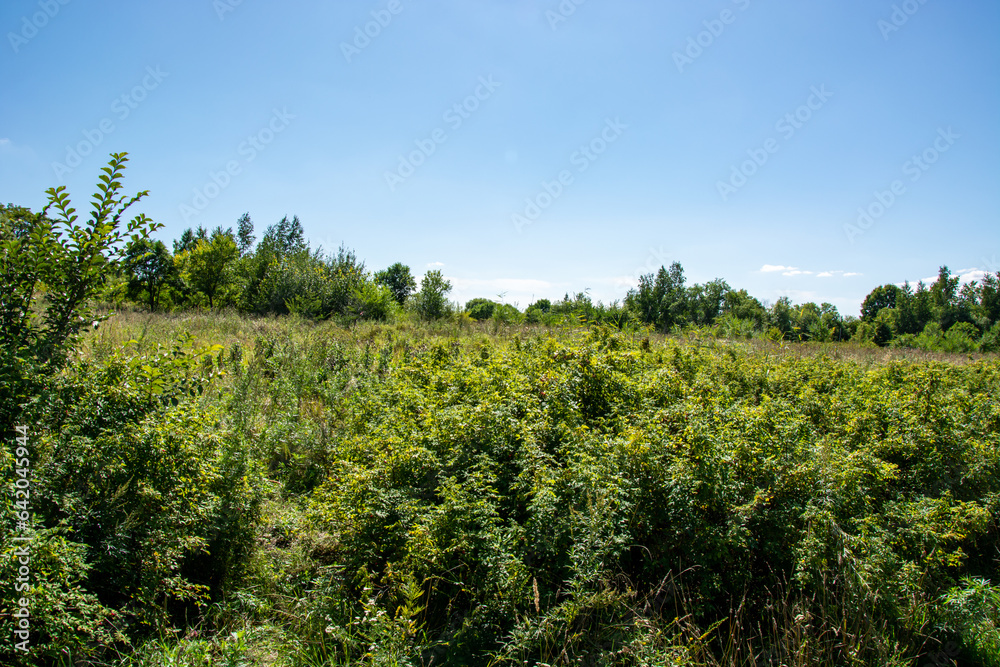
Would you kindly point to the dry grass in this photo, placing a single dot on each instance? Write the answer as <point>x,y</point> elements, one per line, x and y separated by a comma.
<point>228,327</point>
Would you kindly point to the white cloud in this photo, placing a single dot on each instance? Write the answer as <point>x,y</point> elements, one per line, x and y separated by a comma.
<point>851,275</point>
<point>435,265</point>
<point>792,271</point>
<point>968,275</point>
<point>4,141</point>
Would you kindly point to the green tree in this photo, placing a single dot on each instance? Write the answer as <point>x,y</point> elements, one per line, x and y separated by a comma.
<point>879,298</point>
<point>808,320</point>
<point>988,307</point>
<point>906,306</point>
<point>782,317</point>
<point>537,311</point>
<point>886,326</point>
<point>432,302</point>
<point>832,323</point>
<point>244,235</point>
<point>287,237</point>
<point>661,300</point>
<point>543,305</point>
<point>399,280</point>
<point>944,298</point>
<point>71,261</point>
<point>744,307</point>
<point>706,301</point>
<point>207,264</point>
<point>149,268</point>
<point>189,239</point>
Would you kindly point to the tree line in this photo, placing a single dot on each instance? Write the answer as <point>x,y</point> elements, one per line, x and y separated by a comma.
<point>282,274</point>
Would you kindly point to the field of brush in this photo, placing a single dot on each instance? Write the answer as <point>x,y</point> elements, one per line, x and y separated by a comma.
<point>217,490</point>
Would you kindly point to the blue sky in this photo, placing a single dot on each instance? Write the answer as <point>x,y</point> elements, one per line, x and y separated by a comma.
<point>533,148</point>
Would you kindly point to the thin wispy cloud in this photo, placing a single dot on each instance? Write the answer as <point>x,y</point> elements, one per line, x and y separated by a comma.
<point>796,271</point>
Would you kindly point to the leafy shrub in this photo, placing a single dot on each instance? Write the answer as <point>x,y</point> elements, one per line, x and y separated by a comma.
<point>480,309</point>
<point>374,302</point>
<point>66,261</point>
<point>991,340</point>
<point>146,508</point>
<point>972,611</point>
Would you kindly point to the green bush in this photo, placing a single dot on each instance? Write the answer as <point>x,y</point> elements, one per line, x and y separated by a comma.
<point>480,309</point>
<point>145,507</point>
<point>972,612</point>
<point>374,302</point>
<point>67,262</point>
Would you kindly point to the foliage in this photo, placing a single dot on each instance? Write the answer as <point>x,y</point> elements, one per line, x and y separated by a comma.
<point>661,300</point>
<point>943,316</point>
<point>244,235</point>
<point>885,296</point>
<point>557,497</point>
<point>207,264</point>
<point>149,269</point>
<point>50,270</point>
<point>399,280</point>
<point>283,275</point>
<point>374,302</point>
<point>971,610</point>
<point>431,301</point>
<point>144,507</point>
<point>480,309</point>
<point>543,489</point>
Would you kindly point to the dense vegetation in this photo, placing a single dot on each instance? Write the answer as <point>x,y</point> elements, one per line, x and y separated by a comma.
<point>471,488</point>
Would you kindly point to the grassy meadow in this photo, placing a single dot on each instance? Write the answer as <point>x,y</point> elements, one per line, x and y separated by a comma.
<point>213,489</point>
